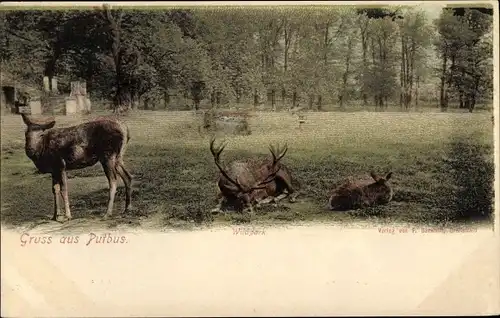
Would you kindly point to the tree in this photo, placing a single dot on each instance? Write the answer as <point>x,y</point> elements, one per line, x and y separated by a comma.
<point>381,80</point>
<point>466,55</point>
<point>414,34</point>
<point>349,33</point>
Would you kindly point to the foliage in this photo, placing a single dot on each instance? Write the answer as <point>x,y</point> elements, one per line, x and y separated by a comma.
<point>465,47</point>
<point>213,56</point>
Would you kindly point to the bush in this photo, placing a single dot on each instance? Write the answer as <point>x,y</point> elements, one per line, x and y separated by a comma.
<point>229,122</point>
<point>472,174</point>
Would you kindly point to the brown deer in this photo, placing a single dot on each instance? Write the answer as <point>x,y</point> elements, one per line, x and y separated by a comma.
<point>283,185</point>
<point>253,181</point>
<point>361,193</point>
<point>57,150</point>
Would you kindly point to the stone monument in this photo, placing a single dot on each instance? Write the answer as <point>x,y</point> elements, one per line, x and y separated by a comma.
<point>79,95</point>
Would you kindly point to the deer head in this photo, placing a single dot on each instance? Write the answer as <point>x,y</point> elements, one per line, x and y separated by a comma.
<point>243,186</point>
<point>380,180</point>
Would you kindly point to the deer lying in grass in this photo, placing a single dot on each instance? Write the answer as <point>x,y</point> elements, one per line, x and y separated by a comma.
<point>355,194</point>
<point>57,150</point>
<point>253,182</point>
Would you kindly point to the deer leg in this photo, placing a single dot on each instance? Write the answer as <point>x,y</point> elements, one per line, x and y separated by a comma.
<point>250,209</point>
<point>292,191</point>
<point>293,197</point>
<point>247,205</point>
<point>280,197</point>
<point>220,201</point>
<point>64,194</point>
<point>56,191</point>
<point>110,171</point>
<point>127,180</point>
<point>264,201</point>
<point>218,207</point>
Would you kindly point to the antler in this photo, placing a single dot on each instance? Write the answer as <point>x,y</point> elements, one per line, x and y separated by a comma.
<point>216,154</point>
<point>260,185</point>
<point>282,153</point>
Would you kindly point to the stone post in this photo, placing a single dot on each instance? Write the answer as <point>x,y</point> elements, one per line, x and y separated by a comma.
<point>71,106</point>
<point>79,92</point>
<point>54,85</point>
<point>46,84</point>
<point>35,107</point>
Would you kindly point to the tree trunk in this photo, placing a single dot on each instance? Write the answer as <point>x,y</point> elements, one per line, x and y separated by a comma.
<point>417,96</point>
<point>461,91</point>
<point>320,106</point>
<point>288,39</point>
<point>411,72</point>
<point>273,100</point>
<point>442,93</point>
<point>449,81</point>
<point>283,97</point>
<point>89,72</point>
<point>310,102</point>
<point>364,46</point>
<point>402,73</point>
<point>50,65</point>
<point>212,99</point>
<point>255,98</point>
<point>373,51</point>
<point>186,98</point>
<point>473,95</point>
<point>166,99</point>
<point>218,97</point>
<point>325,43</point>
<point>345,76</point>
<point>472,104</point>
<point>294,99</point>
<point>153,106</point>
<point>115,26</point>
<point>134,102</point>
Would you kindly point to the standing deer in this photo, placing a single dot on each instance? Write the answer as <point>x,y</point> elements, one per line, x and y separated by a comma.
<point>252,181</point>
<point>355,194</point>
<point>57,150</point>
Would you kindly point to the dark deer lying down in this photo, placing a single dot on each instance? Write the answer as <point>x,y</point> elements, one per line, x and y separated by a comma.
<point>252,181</point>
<point>56,150</point>
<point>355,194</point>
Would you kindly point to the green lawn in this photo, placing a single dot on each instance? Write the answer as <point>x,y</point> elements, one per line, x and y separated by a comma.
<point>441,163</point>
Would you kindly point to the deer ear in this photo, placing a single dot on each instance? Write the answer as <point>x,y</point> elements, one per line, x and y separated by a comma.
<point>388,176</point>
<point>373,175</point>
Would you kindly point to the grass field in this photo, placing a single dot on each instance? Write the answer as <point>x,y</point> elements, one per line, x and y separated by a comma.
<point>442,167</point>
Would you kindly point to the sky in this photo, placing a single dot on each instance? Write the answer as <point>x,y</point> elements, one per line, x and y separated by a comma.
<point>432,9</point>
